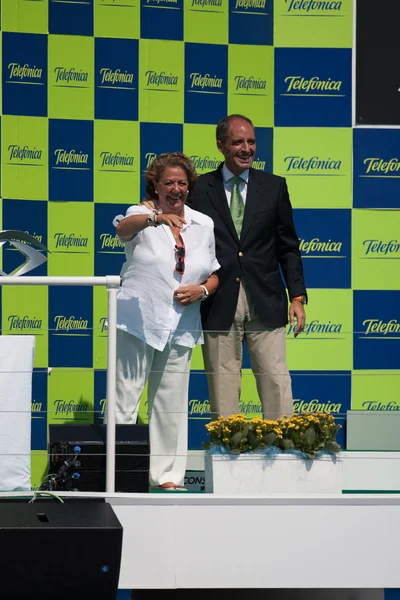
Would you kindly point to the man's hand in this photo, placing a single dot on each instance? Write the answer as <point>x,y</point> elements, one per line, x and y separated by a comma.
<point>171,220</point>
<point>149,204</point>
<point>187,294</point>
<point>297,312</point>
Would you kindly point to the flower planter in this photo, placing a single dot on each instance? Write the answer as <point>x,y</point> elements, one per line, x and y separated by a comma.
<point>257,475</point>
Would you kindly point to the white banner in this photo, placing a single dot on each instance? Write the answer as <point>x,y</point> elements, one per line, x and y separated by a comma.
<point>16,365</point>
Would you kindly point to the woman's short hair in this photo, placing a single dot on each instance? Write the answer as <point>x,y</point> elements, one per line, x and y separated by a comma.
<point>162,162</point>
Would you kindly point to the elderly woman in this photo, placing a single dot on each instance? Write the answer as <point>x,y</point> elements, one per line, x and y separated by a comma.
<point>170,268</point>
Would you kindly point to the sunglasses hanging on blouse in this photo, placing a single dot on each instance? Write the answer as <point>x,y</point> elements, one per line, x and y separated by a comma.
<point>180,263</point>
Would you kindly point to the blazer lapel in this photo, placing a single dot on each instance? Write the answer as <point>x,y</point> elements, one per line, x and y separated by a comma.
<point>218,198</point>
<point>253,197</point>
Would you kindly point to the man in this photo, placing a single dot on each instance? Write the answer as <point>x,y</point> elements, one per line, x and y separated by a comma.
<point>255,238</point>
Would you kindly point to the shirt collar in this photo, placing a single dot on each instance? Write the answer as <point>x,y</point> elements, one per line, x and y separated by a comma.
<point>188,216</point>
<point>227,174</point>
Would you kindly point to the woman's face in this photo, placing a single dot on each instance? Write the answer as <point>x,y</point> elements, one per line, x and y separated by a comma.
<point>172,190</point>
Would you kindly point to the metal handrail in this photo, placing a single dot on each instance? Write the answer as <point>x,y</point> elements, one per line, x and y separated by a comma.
<point>112,284</point>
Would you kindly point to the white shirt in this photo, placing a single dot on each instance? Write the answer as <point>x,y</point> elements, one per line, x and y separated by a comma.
<point>228,185</point>
<point>146,306</point>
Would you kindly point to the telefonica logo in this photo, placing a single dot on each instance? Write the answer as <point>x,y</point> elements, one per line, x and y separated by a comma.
<point>314,163</point>
<point>249,5</point>
<point>199,408</point>
<point>65,240</point>
<point>245,84</point>
<point>378,167</point>
<point>123,3</point>
<point>258,164</point>
<point>161,3</point>
<point>149,157</point>
<point>24,155</point>
<point>72,1</point>
<point>377,405</point>
<point>377,326</point>
<point>103,324</point>
<point>205,83</point>
<point>103,406</point>
<point>26,74</point>
<point>65,158</point>
<point>205,162</point>
<point>111,242</point>
<point>114,78</point>
<point>250,407</point>
<point>18,323</point>
<point>157,80</point>
<point>315,326</point>
<point>36,236</point>
<point>72,323</point>
<point>317,247</point>
<point>296,85</point>
<point>65,407</point>
<point>208,4</point>
<point>313,6</point>
<point>114,160</point>
<point>381,249</point>
<point>300,406</point>
<point>36,407</point>
<point>70,76</point>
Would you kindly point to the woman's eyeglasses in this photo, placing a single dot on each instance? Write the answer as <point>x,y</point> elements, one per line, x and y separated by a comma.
<point>180,263</point>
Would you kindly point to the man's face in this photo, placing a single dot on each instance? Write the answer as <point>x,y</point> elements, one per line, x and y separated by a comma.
<point>240,146</point>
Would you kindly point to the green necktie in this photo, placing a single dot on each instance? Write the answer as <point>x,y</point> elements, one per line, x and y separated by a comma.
<point>237,205</point>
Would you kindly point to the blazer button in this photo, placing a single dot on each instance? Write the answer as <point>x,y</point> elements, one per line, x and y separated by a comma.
<point>237,279</point>
<point>240,254</point>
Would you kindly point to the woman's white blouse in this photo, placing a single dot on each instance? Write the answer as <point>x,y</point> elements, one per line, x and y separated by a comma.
<point>146,306</point>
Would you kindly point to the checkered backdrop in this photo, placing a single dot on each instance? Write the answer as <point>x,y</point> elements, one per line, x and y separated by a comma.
<point>93,90</point>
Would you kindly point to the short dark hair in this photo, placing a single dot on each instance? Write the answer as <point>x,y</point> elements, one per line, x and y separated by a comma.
<point>224,124</point>
<point>162,162</point>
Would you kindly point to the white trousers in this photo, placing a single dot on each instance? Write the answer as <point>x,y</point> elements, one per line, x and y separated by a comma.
<point>167,374</point>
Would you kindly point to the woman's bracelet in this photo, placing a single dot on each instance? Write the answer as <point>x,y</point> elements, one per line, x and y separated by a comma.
<point>152,219</point>
<point>206,293</point>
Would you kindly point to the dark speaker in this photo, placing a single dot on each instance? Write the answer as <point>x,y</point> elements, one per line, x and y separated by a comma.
<point>77,458</point>
<point>66,551</point>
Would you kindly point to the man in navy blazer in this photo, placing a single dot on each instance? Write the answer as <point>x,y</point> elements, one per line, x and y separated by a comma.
<point>256,241</point>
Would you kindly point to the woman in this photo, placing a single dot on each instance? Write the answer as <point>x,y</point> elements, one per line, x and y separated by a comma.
<point>170,267</point>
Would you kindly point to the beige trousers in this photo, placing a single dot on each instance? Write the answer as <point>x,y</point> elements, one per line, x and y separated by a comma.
<point>167,374</point>
<point>223,355</point>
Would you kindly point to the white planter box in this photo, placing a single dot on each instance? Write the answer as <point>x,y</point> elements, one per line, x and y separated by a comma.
<point>255,474</point>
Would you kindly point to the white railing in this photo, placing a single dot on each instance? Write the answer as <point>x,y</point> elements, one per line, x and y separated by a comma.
<point>112,284</point>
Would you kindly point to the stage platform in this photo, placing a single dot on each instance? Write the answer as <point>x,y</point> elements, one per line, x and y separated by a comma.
<point>204,541</point>
<point>196,540</point>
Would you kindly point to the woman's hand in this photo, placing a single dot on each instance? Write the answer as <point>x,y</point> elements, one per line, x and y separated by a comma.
<point>171,220</point>
<point>187,294</point>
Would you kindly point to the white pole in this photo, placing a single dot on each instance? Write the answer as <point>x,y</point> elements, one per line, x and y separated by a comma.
<point>111,382</point>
